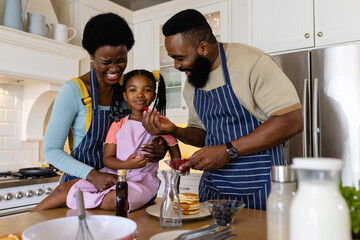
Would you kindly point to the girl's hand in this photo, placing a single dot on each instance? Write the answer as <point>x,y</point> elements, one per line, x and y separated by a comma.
<point>136,160</point>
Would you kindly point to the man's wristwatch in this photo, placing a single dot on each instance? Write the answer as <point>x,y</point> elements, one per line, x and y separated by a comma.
<point>231,152</point>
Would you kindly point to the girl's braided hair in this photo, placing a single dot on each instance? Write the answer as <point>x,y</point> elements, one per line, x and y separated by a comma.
<point>118,110</point>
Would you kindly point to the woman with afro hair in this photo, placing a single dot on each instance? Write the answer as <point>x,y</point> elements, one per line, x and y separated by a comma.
<point>86,106</point>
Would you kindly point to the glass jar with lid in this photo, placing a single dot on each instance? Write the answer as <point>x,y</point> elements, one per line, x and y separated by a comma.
<point>318,210</point>
<point>283,188</point>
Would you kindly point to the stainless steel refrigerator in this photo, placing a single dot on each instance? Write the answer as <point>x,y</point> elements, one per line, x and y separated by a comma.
<point>327,81</point>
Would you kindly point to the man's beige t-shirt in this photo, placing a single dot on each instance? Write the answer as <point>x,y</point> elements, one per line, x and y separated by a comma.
<point>257,81</point>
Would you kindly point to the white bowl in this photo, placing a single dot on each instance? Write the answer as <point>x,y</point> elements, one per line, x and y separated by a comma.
<point>101,226</point>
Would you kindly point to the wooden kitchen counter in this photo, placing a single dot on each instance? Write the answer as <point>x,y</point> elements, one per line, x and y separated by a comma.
<point>249,223</point>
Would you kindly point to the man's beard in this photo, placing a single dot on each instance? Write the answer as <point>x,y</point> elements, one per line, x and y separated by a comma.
<point>199,72</point>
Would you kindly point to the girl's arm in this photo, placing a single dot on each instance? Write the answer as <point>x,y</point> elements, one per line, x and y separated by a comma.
<point>174,151</point>
<point>135,160</point>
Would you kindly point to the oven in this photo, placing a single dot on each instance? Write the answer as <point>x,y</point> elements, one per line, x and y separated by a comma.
<point>20,192</point>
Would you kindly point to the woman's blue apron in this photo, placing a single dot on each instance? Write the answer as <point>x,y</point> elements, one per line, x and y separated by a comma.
<point>90,150</point>
<point>246,178</point>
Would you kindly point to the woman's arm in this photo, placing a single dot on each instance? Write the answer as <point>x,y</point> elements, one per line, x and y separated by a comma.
<point>65,110</point>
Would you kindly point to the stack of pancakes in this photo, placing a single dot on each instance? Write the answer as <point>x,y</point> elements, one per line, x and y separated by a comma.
<point>189,203</point>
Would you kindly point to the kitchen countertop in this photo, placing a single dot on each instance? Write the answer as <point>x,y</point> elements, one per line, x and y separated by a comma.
<point>249,223</point>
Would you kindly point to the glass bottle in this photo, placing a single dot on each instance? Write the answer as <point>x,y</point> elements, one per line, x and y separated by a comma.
<point>170,210</point>
<point>283,188</point>
<point>121,192</point>
<point>318,210</point>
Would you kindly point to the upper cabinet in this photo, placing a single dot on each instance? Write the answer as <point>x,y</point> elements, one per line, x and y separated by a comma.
<point>150,52</point>
<point>76,13</point>
<point>279,25</point>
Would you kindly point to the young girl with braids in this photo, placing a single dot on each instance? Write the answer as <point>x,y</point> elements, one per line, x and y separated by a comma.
<point>138,89</point>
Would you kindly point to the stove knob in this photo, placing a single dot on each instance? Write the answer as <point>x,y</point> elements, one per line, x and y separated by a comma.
<point>39,192</point>
<point>19,195</point>
<point>48,191</point>
<point>8,196</point>
<point>29,193</point>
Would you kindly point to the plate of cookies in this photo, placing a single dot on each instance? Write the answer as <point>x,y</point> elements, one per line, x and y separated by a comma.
<point>191,209</point>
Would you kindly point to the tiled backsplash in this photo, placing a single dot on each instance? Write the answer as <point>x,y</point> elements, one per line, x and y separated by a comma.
<point>14,153</point>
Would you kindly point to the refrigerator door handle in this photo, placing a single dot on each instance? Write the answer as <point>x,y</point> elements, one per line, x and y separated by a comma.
<point>305,117</point>
<point>315,129</point>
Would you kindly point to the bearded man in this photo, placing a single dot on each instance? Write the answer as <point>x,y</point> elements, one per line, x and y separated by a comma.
<point>242,108</point>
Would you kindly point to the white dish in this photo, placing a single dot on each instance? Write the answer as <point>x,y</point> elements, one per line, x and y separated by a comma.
<point>154,210</point>
<point>170,235</point>
<point>101,227</point>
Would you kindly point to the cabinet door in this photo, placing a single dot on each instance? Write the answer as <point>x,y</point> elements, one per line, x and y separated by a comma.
<point>336,21</point>
<point>279,25</point>
<point>144,46</point>
<point>177,111</point>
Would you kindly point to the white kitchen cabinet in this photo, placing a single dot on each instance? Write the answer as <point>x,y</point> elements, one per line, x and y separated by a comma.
<point>76,13</point>
<point>280,25</point>
<point>150,52</point>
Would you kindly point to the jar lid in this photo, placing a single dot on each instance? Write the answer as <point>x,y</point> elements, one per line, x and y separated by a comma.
<point>281,173</point>
<point>121,172</point>
<point>317,163</point>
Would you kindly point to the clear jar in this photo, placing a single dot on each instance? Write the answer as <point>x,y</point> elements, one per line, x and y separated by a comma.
<point>283,188</point>
<point>170,210</point>
<point>318,210</point>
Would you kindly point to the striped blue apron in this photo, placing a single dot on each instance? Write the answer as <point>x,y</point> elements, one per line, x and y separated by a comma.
<point>90,149</point>
<point>246,178</point>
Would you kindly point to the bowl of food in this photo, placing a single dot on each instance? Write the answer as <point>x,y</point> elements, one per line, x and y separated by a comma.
<point>101,227</point>
<point>223,210</point>
<point>176,163</point>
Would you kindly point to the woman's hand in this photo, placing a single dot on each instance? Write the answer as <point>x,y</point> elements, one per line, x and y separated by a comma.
<point>156,149</point>
<point>100,180</point>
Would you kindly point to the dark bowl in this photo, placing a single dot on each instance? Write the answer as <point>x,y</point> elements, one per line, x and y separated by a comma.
<point>223,210</point>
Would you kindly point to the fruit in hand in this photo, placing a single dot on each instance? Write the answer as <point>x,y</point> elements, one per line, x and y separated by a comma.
<point>146,108</point>
<point>175,164</point>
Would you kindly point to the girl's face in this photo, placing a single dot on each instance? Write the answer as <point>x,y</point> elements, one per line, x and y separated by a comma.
<point>139,92</point>
<point>110,62</point>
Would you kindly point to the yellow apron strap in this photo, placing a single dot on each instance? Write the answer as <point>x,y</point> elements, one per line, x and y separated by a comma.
<point>86,99</point>
<point>61,176</point>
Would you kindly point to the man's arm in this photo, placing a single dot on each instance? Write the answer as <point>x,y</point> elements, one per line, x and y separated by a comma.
<point>274,131</point>
<point>157,125</point>
<point>191,135</point>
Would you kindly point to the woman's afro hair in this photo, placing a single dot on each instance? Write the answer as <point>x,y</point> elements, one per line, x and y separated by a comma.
<point>107,29</point>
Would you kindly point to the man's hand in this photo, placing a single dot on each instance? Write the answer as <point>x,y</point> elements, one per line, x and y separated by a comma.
<point>208,158</point>
<point>100,180</point>
<point>156,149</point>
<point>156,124</point>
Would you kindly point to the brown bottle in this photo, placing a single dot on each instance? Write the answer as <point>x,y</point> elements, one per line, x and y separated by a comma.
<point>121,192</point>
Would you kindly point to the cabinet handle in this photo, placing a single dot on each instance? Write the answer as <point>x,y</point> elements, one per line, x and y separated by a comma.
<point>320,34</point>
<point>307,35</point>
<point>183,107</point>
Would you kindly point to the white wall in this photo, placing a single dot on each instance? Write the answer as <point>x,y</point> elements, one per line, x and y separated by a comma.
<point>14,153</point>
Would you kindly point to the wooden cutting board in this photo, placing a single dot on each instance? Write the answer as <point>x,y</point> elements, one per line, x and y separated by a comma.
<point>11,238</point>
